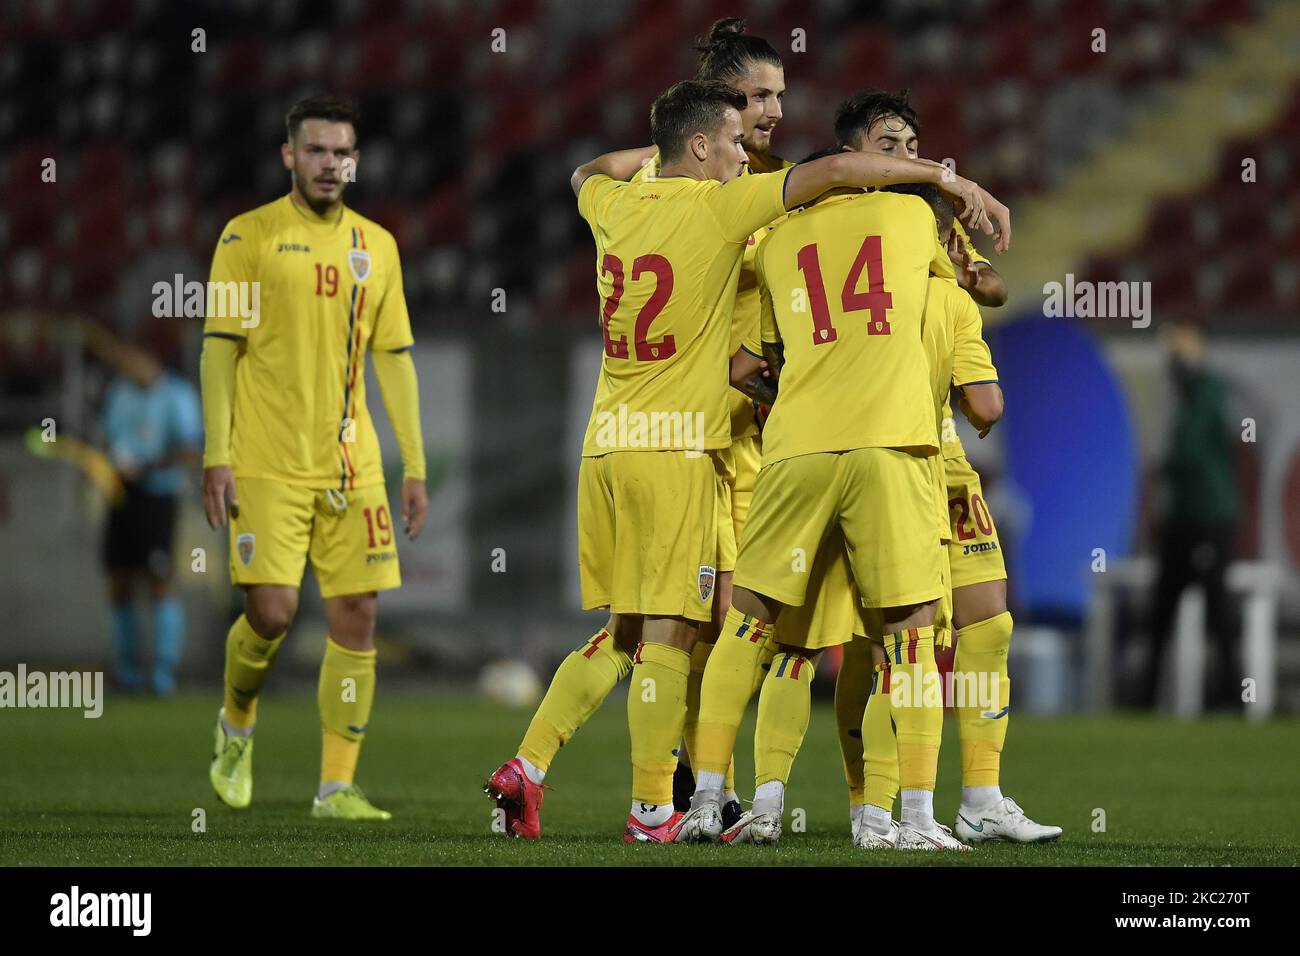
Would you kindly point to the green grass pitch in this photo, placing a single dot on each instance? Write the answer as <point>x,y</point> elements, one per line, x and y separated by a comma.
<point>122,790</point>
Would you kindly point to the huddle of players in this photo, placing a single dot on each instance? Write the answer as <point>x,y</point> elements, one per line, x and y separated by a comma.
<point>712,251</point>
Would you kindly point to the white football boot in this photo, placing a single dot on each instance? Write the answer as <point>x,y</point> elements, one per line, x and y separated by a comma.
<point>938,838</point>
<point>762,828</point>
<point>1002,821</point>
<point>867,838</point>
<point>703,821</point>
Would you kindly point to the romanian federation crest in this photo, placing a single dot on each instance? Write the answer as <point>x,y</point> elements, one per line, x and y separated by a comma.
<point>245,544</point>
<point>359,263</point>
<point>707,575</point>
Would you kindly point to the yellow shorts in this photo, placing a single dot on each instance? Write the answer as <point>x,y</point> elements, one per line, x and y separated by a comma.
<point>737,469</point>
<point>724,460</point>
<point>882,501</point>
<point>350,535</point>
<point>870,621</point>
<point>939,481</point>
<point>828,614</point>
<point>974,551</point>
<point>647,532</point>
<point>747,453</point>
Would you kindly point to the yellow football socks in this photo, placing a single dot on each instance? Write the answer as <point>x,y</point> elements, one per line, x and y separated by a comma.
<point>784,707</point>
<point>248,661</point>
<point>980,671</point>
<point>724,694</point>
<point>916,705</point>
<point>656,710</point>
<point>880,746</point>
<point>345,694</point>
<point>579,687</point>
<point>852,689</point>
<point>690,731</point>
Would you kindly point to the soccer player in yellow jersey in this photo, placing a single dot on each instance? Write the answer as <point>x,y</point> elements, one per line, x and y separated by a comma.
<point>846,450</point>
<point>301,288</point>
<point>877,121</point>
<point>668,256</point>
<point>751,65</point>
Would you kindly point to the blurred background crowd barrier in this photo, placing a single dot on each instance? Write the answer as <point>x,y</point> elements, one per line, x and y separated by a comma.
<point>1151,144</point>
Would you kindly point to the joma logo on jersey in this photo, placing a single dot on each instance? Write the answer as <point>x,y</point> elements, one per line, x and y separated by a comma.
<point>292,247</point>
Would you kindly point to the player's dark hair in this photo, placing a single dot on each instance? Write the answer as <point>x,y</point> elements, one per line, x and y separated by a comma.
<point>727,52</point>
<point>822,154</point>
<point>326,107</point>
<point>864,109</point>
<point>687,108</point>
<point>938,201</point>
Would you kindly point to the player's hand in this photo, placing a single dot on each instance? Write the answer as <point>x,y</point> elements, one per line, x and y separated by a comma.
<point>415,505</point>
<point>1001,215</point>
<point>218,488</point>
<point>962,262</point>
<point>969,200</point>
<point>983,427</point>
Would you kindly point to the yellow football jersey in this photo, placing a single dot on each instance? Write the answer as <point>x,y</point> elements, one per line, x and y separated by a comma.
<point>326,291</point>
<point>954,342</point>
<point>744,317</point>
<point>843,285</point>
<point>668,257</point>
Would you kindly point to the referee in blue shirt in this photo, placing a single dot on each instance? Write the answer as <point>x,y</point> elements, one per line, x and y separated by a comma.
<point>153,426</point>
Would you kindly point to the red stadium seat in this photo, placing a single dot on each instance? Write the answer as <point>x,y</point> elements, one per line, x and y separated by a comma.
<point>102,168</point>
<point>240,65</point>
<point>1248,287</point>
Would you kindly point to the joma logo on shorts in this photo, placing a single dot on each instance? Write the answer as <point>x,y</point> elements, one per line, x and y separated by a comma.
<point>382,556</point>
<point>978,548</point>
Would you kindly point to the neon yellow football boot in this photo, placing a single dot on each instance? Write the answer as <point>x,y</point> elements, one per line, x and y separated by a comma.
<point>347,803</point>
<point>231,771</point>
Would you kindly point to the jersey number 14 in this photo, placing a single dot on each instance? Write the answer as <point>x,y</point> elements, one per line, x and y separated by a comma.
<point>875,300</point>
